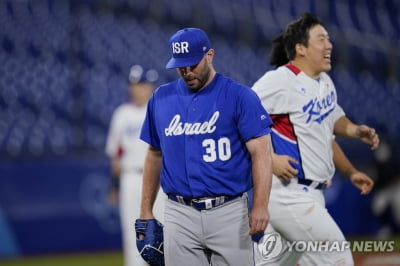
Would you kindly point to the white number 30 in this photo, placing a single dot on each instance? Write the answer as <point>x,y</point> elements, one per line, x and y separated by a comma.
<point>223,150</point>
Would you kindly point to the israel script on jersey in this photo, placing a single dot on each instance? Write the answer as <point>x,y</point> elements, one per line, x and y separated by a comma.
<point>177,127</point>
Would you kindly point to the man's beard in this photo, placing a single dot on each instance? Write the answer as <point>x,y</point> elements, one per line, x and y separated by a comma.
<point>202,81</point>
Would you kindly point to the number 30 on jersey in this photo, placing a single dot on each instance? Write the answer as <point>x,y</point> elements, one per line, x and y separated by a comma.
<point>217,149</point>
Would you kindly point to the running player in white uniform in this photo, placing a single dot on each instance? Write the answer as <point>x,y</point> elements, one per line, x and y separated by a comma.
<point>209,144</point>
<point>302,101</point>
<point>127,153</point>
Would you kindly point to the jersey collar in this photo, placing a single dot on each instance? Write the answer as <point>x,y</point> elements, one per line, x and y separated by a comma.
<point>293,68</point>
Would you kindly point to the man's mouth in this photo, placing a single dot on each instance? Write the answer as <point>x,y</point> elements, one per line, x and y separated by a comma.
<point>327,57</point>
<point>190,81</point>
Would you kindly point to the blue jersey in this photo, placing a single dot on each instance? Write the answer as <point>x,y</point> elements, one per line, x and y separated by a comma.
<point>202,136</point>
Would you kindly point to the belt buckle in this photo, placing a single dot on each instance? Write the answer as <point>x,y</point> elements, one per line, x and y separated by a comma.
<point>319,185</point>
<point>314,184</point>
<point>208,202</point>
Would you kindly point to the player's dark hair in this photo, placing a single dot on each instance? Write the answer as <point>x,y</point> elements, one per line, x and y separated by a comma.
<point>277,56</point>
<point>297,32</point>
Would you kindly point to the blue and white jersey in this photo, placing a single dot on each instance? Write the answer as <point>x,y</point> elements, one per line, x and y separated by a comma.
<point>202,136</point>
<point>304,111</point>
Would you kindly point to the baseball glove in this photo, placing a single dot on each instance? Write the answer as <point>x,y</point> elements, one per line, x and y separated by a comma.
<point>151,246</point>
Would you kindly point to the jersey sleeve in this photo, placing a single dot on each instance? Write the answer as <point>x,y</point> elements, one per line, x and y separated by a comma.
<point>149,132</point>
<point>273,92</point>
<point>113,137</point>
<point>254,121</point>
<point>338,112</point>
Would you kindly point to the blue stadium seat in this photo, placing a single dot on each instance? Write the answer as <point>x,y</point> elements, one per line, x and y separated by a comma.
<point>68,61</point>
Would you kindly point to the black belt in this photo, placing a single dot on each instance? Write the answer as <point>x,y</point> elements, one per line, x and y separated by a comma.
<point>205,203</point>
<point>312,183</point>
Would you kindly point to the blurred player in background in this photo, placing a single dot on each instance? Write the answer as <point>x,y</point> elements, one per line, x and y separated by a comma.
<point>209,144</point>
<point>127,153</point>
<point>302,101</point>
<point>386,200</point>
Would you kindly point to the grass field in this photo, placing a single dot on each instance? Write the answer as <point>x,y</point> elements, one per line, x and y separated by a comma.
<point>92,259</point>
<point>115,259</point>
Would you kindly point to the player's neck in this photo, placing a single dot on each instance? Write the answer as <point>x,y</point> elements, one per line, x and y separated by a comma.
<point>138,103</point>
<point>306,68</point>
<point>210,78</point>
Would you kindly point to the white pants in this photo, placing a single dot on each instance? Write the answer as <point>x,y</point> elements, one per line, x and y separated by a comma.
<point>298,214</point>
<point>130,198</point>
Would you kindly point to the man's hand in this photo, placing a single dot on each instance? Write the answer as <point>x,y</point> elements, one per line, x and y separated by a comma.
<point>368,136</point>
<point>113,196</point>
<point>282,168</point>
<point>362,182</point>
<point>258,220</point>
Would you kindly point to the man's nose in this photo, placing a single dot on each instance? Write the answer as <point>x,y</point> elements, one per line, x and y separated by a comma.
<point>184,70</point>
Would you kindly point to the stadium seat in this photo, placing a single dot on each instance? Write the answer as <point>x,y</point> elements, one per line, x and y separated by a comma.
<point>65,63</point>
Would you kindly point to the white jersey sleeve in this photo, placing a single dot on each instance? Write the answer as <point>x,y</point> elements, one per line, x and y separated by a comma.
<point>270,86</point>
<point>123,137</point>
<point>113,137</point>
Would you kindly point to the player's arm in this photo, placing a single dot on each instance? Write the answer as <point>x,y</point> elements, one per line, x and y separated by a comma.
<point>359,179</point>
<point>345,128</point>
<point>113,150</point>
<point>116,166</point>
<point>115,163</point>
<point>260,152</point>
<point>151,182</point>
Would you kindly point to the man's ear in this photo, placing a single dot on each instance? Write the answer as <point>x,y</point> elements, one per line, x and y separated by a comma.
<point>300,50</point>
<point>210,56</point>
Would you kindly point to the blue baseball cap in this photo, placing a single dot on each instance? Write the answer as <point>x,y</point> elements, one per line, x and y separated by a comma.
<point>188,47</point>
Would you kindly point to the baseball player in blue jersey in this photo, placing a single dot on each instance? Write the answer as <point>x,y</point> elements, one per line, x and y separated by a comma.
<point>302,101</point>
<point>209,144</point>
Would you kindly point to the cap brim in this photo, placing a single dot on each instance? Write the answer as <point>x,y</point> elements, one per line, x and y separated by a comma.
<point>183,62</point>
